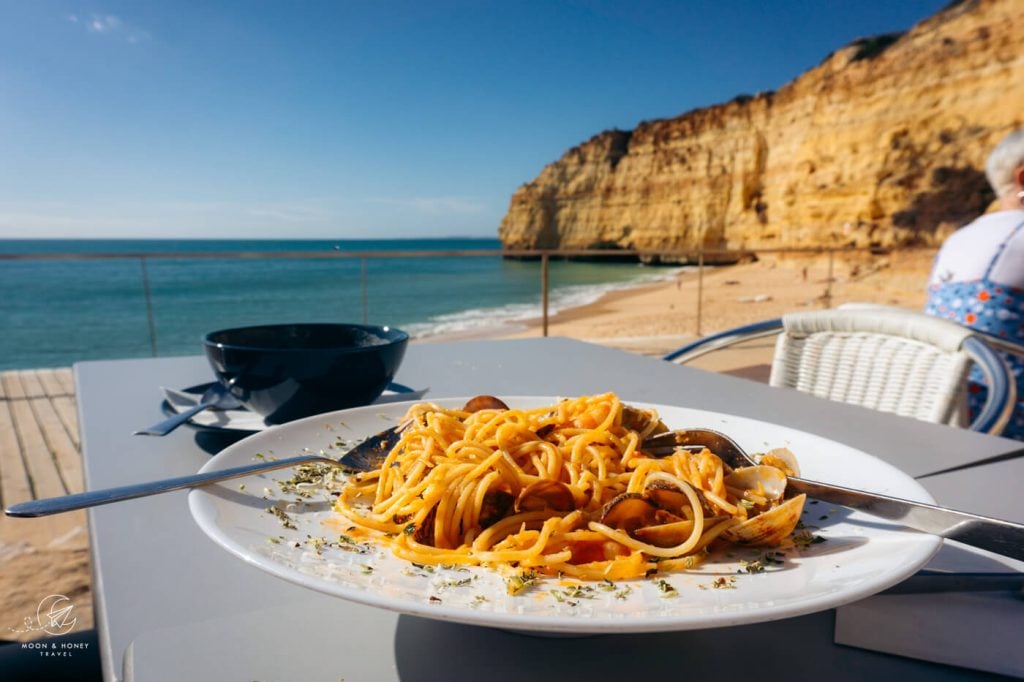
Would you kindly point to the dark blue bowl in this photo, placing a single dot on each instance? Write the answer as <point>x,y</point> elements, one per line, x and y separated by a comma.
<point>288,371</point>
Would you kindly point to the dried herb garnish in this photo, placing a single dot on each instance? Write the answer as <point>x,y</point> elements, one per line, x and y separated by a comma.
<point>518,584</point>
<point>283,517</point>
<point>666,589</point>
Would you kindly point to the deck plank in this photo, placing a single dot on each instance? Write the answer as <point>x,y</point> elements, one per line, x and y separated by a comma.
<point>51,383</point>
<point>41,433</point>
<point>66,379</point>
<point>67,410</point>
<point>14,482</point>
<point>12,385</point>
<point>59,442</point>
<point>31,384</point>
<point>43,475</point>
<point>42,469</point>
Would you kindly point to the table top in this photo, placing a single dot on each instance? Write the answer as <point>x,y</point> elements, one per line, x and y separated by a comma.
<point>170,604</point>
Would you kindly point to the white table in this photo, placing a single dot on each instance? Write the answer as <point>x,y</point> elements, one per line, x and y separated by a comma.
<point>171,605</point>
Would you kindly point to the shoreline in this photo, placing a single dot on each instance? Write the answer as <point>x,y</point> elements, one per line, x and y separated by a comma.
<point>531,326</point>
<point>659,312</point>
<point>656,317</point>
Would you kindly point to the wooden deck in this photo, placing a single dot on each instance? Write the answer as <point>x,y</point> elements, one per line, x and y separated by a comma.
<point>40,456</point>
<point>39,441</point>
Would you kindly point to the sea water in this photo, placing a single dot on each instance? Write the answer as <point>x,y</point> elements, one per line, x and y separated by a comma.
<point>56,312</point>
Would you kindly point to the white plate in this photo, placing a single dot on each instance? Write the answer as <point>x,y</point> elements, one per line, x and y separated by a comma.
<point>861,554</point>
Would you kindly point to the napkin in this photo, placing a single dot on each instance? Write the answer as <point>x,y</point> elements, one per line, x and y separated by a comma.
<point>978,630</point>
<point>244,420</point>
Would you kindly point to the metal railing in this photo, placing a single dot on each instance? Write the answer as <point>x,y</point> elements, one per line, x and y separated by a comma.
<point>702,258</point>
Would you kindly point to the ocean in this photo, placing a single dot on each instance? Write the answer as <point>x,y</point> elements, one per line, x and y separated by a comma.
<point>57,312</point>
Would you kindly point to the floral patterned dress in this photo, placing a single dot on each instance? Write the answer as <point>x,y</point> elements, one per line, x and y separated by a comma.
<point>978,281</point>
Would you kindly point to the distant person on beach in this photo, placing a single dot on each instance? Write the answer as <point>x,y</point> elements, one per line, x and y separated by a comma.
<point>978,275</point>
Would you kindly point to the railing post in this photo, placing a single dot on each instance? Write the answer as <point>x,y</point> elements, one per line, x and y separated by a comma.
<point>362,286</point>
<point>149,306</point>
<point>700,289</point>
<point>544,292</point>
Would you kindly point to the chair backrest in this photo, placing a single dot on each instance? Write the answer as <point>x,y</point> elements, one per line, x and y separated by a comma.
<point>894,361</point>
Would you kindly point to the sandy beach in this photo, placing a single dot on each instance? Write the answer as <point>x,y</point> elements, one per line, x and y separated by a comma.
<point>659,317</point>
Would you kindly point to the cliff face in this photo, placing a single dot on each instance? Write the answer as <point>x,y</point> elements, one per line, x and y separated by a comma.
<point>882,144</point>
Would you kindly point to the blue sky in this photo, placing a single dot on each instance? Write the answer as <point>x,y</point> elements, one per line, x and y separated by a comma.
<point>358,119</point>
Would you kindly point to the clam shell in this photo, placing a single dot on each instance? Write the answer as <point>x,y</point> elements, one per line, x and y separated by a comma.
<point>758,478</point>
<point>783,459</point>
<point>645,422</point>
<point>484,402</point>
<point>665,535</point>
<point>542,495</point>
<point>771,527</point>
<point>667,496</point>
<point>672,534</point>
<point>628,512</point>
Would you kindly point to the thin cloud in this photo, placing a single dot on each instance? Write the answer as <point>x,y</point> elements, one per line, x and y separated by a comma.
<point>107,24</point>
<point>301,217</point>
<point>112,26</point>
<point>31,223</point>
<point>435,205</point>
<point>288,213</point>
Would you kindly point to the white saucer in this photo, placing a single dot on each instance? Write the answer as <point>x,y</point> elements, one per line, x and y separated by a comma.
<point>242,420</point>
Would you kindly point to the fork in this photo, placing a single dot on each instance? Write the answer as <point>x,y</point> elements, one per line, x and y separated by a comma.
<point>363,457</point>
<point>994,535</point>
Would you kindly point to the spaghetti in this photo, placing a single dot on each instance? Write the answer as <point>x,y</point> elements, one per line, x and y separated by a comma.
<point>561,489</point>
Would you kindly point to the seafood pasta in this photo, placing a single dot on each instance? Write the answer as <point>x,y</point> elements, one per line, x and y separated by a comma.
<point>561,489</point>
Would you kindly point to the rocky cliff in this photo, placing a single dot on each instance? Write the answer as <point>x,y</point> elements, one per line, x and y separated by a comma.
<point>882,144</point>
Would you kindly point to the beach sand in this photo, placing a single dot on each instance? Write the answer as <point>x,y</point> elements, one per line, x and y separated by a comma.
<point>652,319</point>
<point>657,318</point>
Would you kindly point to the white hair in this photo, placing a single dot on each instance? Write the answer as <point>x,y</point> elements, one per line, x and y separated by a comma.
<point>1007,157</point>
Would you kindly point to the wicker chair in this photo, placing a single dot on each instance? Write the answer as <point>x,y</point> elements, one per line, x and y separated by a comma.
<point>887,359</point>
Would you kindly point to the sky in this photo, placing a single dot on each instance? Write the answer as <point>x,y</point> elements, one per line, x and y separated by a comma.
<point>358,118</point>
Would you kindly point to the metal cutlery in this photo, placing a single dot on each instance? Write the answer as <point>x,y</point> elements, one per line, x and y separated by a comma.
<point>995,535</point>
<point>359,458</point>
<point>216,396</point>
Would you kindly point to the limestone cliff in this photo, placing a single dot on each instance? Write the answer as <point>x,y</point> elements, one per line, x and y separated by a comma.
<point>881,144</point>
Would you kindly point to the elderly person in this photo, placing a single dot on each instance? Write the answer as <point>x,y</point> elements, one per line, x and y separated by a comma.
<point>978,276</point>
